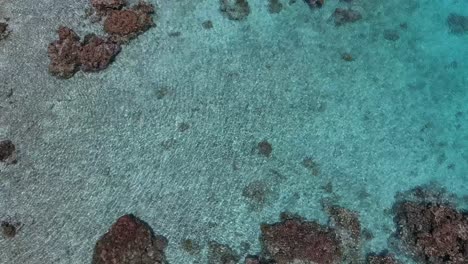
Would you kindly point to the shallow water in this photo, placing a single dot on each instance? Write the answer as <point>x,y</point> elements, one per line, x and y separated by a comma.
<point>99,145</point>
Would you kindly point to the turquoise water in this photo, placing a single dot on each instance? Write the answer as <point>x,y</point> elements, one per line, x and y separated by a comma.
<point>100,145</point>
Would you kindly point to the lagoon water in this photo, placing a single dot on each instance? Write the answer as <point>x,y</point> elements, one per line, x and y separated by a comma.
<point>169,131</point>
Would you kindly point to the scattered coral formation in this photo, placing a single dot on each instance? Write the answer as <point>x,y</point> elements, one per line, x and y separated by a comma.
<point>64,54</point>
<point>221,254</point>
<point>295,239</point>
<point>264,148</point>
<point>68,55</point>
<point>257,193</point>
<point>207,24</point>
<point>315,3</point>
<point>274,6</point>
<point>103,7</point>
<point>235,9</point>
<point>431,229</point>
<point>345,15</point>
<point>346,220</point>
<point>97,53</point>
<point>311,165</point>
<point>191,246</point>
<point>457,23</point>
<point>124,25</point>
<point>257,260</point>
<point>7,151</point>
<point>130,241</point>
<point>391,35</point>
<point>347,57</point>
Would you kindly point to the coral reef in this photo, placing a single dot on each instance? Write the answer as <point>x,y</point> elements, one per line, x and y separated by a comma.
<point>103,7</point>
<point>295,239</point>
<point>64,54</point>
<point>68,55</point>
<point>221,254</point>
<point>235,9</point>
<point>346,220</point>
<point>381,259</point>
<point>130,241</point>
<point>431,229</point>
<point>257,260</point>
<point>126,24</point>
<point>343,16</point>
<point>97,53</point>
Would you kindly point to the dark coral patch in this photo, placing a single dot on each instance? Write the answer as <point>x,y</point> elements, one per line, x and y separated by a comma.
<point>295,239</point>
<point>9,230</point>
<point>429,226</point>
<point>235,9</point>
<point>4,32</point>
<point>68,55</point>
<point>130,240</point>
<point>127,24</point>
<point>381,259</point>
<point>343,16</point>
<point>104,6</point>
<point>457,23</point>
<point>257,193</point>
<point>345,220</point>
<point>264,148</point>
<point>7,151</point>
<point>434,233</point>
<point>97,53</point>
<point>274,6</point>
<point>221,254</point>
<point>64,54</point>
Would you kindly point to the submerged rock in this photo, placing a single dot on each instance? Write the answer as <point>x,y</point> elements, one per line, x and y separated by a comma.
<point>9,230</point>
<point>4,32</point>
<point>7,151</point>
<point>130,241</point>
<point>97,53</point>
<point>343,16</point>
<point>127,24</point>
<point>295,240</point>
<point>235,9</point>
<point>457,23</point>
<point>64,54</point>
